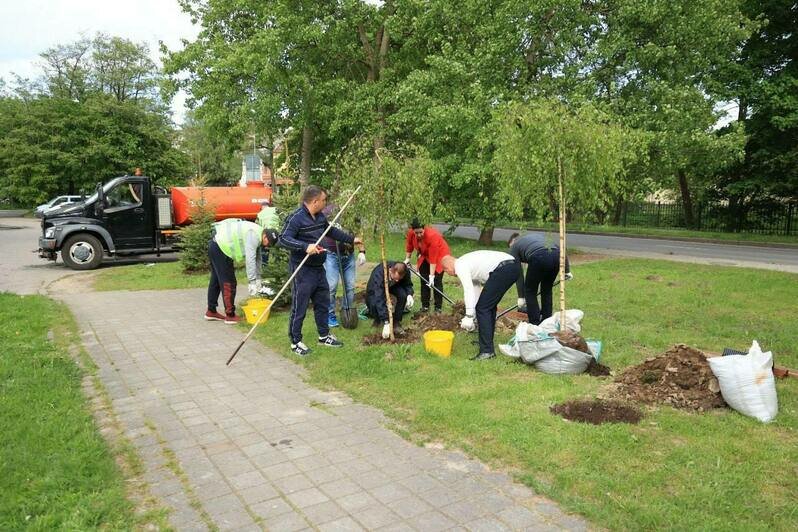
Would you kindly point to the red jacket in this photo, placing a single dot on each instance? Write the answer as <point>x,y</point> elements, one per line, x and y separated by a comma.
<point>431,248</point>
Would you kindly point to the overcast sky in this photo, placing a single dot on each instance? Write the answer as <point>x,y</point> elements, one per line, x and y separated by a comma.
<point>28,27</point>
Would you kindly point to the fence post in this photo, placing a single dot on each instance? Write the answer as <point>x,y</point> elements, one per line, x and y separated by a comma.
<point>625,211</point>
<point>789,218</point>
<point>659,207</point>
<point>698,216</point>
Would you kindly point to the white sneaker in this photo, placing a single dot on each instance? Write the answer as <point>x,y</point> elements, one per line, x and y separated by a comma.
<point>300,349</point>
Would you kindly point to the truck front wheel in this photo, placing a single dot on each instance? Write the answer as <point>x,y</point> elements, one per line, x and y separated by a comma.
<point>82,252</point>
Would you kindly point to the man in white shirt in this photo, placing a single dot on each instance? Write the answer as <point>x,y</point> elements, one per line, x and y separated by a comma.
<point>486,275</point>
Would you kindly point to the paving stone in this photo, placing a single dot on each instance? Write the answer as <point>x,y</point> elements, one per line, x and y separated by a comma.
<point>390,492</point>
<point>257,494</point>
<point>289,522</point>
<point>307,497</point>
<point>409,507</point>
<point>356,501</point>
<point>486,524</point>
<point>247,480</point>
<point>271,508</point>
<point>518,517</point>
<point>293,483</point>
<point>373,517</point>
<point>340,488</point>
<point>431,522</point>
<point>324,512</point>
<point>345,524</point>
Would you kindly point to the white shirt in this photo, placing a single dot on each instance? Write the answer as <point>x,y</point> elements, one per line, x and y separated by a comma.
<point>473,270</point>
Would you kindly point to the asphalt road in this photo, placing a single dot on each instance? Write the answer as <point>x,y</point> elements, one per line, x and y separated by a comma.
<point>23,272</point>
<point>769,258</point>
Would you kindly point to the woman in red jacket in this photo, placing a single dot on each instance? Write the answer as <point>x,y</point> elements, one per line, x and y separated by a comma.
<point>431,248</point>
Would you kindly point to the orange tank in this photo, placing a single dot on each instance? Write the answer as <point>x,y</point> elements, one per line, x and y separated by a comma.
<point>226,202</point>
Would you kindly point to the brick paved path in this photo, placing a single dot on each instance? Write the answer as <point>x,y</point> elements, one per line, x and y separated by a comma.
<point>253,447</point>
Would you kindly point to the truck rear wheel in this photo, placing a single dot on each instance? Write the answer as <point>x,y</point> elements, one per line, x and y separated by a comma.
<point>82,252</point>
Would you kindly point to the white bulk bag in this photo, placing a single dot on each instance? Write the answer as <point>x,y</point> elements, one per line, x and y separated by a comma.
<point>572,319</point>
<point>747,383</point>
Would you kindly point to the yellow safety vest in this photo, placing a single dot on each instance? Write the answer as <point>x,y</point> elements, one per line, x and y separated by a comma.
<point>231,234</point>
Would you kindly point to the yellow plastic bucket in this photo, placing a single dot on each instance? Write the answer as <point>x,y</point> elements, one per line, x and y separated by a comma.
<point>439,342</point>
<point>254,308</point>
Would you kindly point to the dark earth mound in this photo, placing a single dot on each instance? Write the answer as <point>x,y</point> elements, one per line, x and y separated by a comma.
<point>680,377</point>
<point>597,411</point>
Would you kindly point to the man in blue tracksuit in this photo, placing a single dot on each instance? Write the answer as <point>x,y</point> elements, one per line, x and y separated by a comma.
<point>301,230</point>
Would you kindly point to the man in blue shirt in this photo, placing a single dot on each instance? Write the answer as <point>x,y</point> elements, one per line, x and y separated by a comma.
<point>301,230</point>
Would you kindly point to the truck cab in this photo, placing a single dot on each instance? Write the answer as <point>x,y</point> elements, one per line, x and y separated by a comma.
<point>118,219</point>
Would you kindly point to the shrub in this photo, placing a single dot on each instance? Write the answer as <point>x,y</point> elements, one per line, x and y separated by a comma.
<point>194,241</point>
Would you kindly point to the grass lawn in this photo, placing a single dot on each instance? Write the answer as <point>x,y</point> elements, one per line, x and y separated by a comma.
<point>675,470</point>
<point>56,471</point>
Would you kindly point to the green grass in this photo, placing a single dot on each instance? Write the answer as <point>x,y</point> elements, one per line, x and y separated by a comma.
<point>676,470</point>
<point>56,471</point>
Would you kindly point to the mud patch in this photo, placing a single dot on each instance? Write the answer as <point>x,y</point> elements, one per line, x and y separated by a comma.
<point>680,377</point>
<point>597,411</point>
<point>594,369</point>
<point>408,336</point>
<point>655,278</point>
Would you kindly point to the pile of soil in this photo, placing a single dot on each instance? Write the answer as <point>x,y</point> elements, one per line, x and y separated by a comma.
<point>572,340</point>
<point>430,321</point>
<point>594,369</point>
<point>680,377</point>
<point>597,411</point>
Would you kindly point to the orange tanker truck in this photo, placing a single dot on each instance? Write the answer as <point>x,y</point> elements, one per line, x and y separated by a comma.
<point>131,216</point>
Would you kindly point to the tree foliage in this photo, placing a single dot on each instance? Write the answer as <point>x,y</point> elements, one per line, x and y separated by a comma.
<point>93,115</point>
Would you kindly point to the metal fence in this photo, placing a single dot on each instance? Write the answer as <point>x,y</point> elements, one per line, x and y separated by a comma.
<point>765,219</point>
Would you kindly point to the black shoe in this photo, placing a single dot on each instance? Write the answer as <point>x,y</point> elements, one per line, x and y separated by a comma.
<point>422,310</point>
<point>483,356</point>
<point>300,349</point>
<point>330,341</point>
<point>438,311</point>
<point>376,323</point>
<point>398,331</point>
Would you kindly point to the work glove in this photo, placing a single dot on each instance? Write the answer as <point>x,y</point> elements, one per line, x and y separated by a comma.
<point>266,290</point>
<point>254,287</point>
<point>407,261</point>
<point>521,302</point>
<point>410,301</point>
<point>361,258</point>
<point>431,280</point>
<point>569,276</point>
<point>386,331</point>
<point>467,324</point>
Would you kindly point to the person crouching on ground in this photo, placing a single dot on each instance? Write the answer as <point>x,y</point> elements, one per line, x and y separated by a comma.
<point>431,248</point>
<point>301,230</point>
<point>486,276</point>
<point>234,241</point>
<point>543,265</point>
<point>399,285</point>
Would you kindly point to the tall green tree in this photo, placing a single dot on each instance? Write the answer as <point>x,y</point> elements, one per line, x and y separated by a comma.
<point>659,66</point>
<point>395,187</point>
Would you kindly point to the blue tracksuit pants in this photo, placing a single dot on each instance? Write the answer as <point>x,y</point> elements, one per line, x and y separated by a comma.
<point>310,284</point>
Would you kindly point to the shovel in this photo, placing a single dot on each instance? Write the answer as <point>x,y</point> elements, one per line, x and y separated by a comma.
<point>349,317</point>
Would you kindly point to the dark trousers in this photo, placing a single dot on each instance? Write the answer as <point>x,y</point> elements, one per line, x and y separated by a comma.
<point>310,284</point>
<point>541,271</point>
<point>425,289</point>
<point>223,280</point>
<point>499,281</point>
<point>378,308</point>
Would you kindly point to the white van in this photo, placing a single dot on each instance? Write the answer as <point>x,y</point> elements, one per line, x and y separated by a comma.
<point>54,203</point>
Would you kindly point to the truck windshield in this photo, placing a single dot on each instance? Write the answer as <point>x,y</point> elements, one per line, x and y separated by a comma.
<point>108,186</point>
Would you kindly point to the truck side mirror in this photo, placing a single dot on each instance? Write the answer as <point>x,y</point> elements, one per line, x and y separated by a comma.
<point>99,207</point>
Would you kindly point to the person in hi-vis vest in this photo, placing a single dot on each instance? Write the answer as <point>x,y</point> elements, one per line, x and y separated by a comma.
<point>234,241</point>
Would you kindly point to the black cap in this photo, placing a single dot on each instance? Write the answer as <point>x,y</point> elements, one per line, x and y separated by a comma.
<point>415,224</point>
<point>271,236</point>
